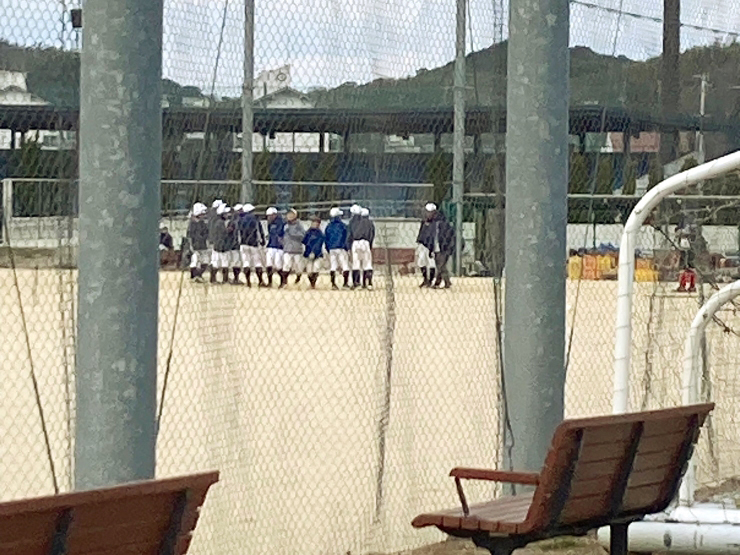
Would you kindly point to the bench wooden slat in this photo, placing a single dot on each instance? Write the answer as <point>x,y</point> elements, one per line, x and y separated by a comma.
<point>128,519</point>
<point>600,470</point>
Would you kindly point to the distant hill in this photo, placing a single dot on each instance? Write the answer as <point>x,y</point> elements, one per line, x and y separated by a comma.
<point>54,75</point>
<point>594,79</point>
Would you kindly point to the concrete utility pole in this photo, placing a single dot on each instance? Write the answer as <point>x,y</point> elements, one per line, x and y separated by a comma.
<point>536,210</point>
<point>670,84</point>
<point>458,149</point>
<point>120,173</point>
<point>247,192</point>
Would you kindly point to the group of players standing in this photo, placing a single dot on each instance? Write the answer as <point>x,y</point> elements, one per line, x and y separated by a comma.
<point>234,242</point>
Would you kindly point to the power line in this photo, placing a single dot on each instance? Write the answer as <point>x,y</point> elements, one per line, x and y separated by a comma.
<point>652,18</point>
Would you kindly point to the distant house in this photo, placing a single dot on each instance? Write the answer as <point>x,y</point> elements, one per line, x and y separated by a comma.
<point>13,89</point>
<point>285,97</point>
<point>273,90</point>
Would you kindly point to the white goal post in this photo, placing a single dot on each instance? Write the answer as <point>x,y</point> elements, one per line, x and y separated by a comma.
<point>626,273</point>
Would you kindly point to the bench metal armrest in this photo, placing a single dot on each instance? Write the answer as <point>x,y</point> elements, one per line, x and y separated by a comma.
<point>503,476</point>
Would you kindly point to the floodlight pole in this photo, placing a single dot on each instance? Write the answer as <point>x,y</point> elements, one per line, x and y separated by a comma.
<point>119,200</point>
<point>536,210</point>
<point>458,142</point>
<point>247,192</point>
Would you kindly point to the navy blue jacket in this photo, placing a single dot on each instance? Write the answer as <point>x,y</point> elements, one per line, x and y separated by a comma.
<point>314,243</point>
<point>275,233</point>
<point>198,234</point>
<point>335,235</point>
<point>232,234</point>
<point>250,231</point>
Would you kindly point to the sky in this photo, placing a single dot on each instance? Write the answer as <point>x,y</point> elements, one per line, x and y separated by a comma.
<point>329,42</point>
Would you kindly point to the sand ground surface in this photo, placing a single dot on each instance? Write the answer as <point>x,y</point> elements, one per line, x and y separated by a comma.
<point>335,416</point>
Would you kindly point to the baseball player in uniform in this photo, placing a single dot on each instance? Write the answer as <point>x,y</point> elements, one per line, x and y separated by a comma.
<point>313,243</point>
<point>214,220</point>
<point>354,219</point>
<point>232,243</point>
<point>362,237</point>
<point>425,246</point>
<point>293,234</point>
<point>217,235</point>
<point>197,235</point>
<point>252,238</point>
<point>335,237</point>
<point>275,235</point>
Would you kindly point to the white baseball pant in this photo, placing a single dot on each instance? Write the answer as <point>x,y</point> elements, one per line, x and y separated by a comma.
<point>312,266</point>
<point>292,262</point>
<point>199,258</point>
<point>235,259</point>
<point>424,257</point>
<point>251,256</point>
<point>362,255</point>
<point>274,258</point>
<point>338,258</point>
<point>220,260</point>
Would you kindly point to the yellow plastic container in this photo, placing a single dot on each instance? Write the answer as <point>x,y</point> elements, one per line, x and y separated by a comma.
<point>606,264</point>
<point>575,267</point>
<point>642,275</point>
<point>591,268</point>
<point>644,264</point>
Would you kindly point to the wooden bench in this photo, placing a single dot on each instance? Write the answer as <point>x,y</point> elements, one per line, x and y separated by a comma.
<point>154,517</point>
<point>405,258</point>
<point>604,471</point>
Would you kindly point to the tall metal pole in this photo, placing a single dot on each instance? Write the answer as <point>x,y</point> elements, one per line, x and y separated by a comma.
<point>120,171</point>
<point>536,208</point>
<point>458,149</point>
<point>700,149</point>
<point>247,192</point>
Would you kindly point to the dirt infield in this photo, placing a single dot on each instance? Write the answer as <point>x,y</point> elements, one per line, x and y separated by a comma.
<point>284,392</point>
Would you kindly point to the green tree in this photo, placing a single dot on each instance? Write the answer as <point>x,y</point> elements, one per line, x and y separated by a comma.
<point>655,171</point>
<point>327,172</point>
<point>630,177</point>
<point>578,178</point>
<point>439,173</point>
<point>605,176</point>
<point>689,163</point>
<point>300,194</point>
<point>493,174</point>
<point>262,171</point>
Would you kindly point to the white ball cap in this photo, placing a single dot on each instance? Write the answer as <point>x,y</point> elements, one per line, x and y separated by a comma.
<point>364,212</point>
<point>431,207</point>
<point>271,211</point>
<point>238,207</point>
<point>334,212</point>
<point>216,203</point>
<point>248,208</point>
<point>355,209</point>
<point>222,209</point>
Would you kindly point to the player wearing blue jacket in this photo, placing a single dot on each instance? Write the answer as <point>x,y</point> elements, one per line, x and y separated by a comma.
<point>335,235</point>
<point>313,243</point>
<point>275,235</point>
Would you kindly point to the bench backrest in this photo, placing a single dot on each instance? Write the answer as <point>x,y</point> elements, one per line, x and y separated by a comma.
<point>623,466</point>
<point>147,518</point>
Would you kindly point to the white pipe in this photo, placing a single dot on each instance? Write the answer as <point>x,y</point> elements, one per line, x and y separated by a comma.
<point>692,363</point>
<point>623,338</point>
<point>678,537</point>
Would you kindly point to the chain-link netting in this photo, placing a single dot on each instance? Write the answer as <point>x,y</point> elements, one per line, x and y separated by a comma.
<point>334,416</point>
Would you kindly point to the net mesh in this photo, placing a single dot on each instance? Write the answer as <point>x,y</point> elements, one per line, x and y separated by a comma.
<point>334,416</point>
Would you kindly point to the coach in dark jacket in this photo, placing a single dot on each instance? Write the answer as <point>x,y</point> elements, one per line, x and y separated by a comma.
<point>250,230</point>
<point>444,246</point>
